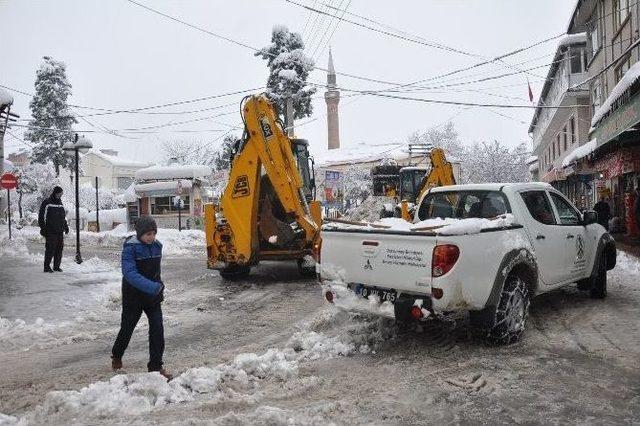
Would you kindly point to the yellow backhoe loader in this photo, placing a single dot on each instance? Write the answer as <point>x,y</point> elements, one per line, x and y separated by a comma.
<point>267,210</point>
<point>415,182</point>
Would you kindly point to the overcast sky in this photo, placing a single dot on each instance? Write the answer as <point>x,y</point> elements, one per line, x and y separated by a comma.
<point>121,56</point>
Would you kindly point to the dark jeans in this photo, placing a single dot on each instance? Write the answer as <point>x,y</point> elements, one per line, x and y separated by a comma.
<point>53,246</point>
<point>131,313</point>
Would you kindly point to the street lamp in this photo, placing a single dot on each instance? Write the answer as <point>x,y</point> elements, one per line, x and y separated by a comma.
<point>79,144</point>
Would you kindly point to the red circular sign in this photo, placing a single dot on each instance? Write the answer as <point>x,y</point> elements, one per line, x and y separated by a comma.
<point>8,181</point>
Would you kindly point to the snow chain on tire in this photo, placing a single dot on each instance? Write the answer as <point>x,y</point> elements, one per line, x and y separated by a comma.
<point>512,311</point>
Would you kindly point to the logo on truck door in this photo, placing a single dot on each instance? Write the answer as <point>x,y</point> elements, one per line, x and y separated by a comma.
<point>579,247</point>
<point>241,187</point>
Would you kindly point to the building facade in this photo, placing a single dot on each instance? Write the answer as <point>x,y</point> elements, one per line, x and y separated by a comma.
<point>613,47</point>
<point>113,172</point>
<point>561,122</point>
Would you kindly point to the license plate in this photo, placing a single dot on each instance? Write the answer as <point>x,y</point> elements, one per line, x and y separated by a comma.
<point>384,295</point>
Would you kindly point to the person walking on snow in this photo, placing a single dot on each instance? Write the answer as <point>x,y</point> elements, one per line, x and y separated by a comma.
<point>52,222</point>
<point>142,291</point>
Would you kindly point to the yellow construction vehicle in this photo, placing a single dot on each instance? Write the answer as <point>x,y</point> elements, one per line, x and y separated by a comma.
<point>267,210</point>
<point>415,182</point>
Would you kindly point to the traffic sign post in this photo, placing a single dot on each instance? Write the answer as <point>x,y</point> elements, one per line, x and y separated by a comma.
<point>9,181</point>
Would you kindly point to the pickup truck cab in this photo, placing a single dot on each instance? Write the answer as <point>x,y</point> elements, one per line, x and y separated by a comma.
<point>483,248</point>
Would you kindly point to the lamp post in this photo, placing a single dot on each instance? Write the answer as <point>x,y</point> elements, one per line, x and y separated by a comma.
<point>79,144</point>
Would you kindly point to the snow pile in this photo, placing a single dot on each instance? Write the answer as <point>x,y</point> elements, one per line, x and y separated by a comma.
<point>176,242</point>
<point>135,394</point>
<point>628,263</point>
<point>580,152</point>
<point>173,172</point>
<point>446,226</point>
<point>369,210</point>
<point>108,217</point>
<point>629,78</point>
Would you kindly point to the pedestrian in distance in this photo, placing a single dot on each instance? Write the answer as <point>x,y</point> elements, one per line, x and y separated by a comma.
<point>604,212</point>
<point>52,221</point>
<point>142,291</point>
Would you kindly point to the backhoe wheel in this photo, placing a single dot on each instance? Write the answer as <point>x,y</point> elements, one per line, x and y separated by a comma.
<point>512,312</point>
<point>235,272</point>
<point>306,269</point>
<point>598,288</point>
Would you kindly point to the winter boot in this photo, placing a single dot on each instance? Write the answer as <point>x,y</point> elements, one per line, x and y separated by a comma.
<point>57,269</point>
<point>48,269</point>
<point>116,363</point>
<point>166,374</point>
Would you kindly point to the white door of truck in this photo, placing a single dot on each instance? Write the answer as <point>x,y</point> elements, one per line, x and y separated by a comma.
<point>545,235</point>
<point>576,247</point>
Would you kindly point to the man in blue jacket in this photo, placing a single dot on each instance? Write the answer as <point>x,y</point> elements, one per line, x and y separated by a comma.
<point>142,291</point>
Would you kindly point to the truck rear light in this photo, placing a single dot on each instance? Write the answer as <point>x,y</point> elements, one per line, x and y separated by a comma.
<point>329,296</point>
<point>416,312</point>
<point>444,257</point>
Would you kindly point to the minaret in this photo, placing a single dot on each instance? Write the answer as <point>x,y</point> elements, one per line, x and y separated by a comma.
<point>332,98</point>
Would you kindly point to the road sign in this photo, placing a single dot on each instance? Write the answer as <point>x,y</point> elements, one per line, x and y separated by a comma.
<point>178,202</point>
<point>8,181</point>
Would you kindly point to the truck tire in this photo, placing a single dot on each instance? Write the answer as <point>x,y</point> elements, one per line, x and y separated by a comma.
<point>235,272</point>
<point>598,288</point>
<point>512,311</point>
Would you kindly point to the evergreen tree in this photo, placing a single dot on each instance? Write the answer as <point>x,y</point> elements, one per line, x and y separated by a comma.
<point>50,110</point>
<point>224,155</point>
<point>289,69</point>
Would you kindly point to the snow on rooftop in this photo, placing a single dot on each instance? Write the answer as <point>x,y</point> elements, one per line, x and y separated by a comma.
<point>118,161</point>
<point>580,152</point>
<point>534,167</point>
<point>630,77</point>
<point>531,160</point>
<point>162,186</point>
<point>173,172</point>
<point>5,97</point>
<point>569,39</point>
<point>360,153</point>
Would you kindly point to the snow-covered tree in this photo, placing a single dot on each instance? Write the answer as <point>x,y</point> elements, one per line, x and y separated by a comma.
<point>495,162</point>
<point>39,177</point>
<point>289,69</point>
<point>50,110</point>
<point>27,184</point>
<point>445,137</point>
<point>197,152</point>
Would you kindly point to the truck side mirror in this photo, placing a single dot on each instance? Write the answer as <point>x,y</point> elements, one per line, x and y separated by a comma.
<point>589,217</point>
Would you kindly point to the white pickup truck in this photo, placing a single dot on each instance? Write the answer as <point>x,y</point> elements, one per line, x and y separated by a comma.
<point>483,248</point>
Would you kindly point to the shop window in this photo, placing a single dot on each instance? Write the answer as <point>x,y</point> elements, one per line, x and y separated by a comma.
<point>164,205</point>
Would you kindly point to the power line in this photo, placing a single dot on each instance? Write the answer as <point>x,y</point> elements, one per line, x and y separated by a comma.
<point>328,43</point>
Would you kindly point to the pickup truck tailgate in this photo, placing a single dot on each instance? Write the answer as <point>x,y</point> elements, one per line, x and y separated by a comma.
<point>397,260</point>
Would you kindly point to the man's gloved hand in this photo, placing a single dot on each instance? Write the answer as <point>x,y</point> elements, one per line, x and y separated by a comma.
<point>42,232</point>
<point>66,229</point>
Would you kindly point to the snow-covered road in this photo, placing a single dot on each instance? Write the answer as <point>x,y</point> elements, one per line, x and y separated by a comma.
<point>268,351</point>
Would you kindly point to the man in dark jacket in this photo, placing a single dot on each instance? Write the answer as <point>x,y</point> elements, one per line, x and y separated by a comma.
<point>142,291</point>
<point>52,222</point>
<point>604,212</point>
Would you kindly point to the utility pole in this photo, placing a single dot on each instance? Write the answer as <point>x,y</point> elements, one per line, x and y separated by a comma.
<point>288,117</point>
<point>97,208</point>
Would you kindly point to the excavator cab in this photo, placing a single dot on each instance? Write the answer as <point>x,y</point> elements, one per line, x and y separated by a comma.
<point>300,148</point>
<point>411,183</point>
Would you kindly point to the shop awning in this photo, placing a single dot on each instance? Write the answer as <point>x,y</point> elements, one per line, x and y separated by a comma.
<point>580,152</point>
